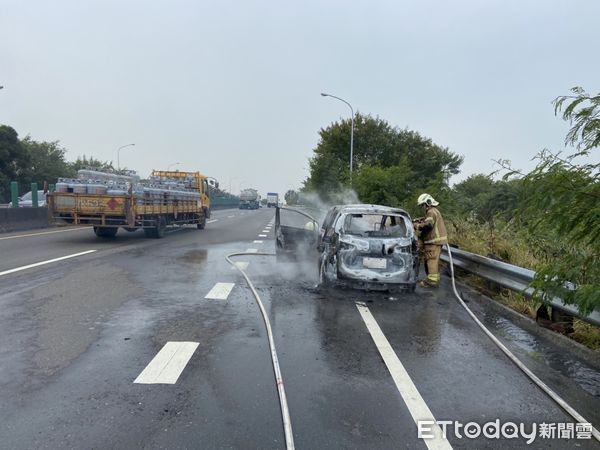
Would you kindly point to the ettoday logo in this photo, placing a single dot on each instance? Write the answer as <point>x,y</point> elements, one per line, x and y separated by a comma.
<point>507,430</point>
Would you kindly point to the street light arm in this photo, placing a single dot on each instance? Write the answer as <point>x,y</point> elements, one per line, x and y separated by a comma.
<point>341,100</point>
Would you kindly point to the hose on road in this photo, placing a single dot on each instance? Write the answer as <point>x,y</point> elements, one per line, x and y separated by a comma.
<point>285,412</point>
<point>543,386</point>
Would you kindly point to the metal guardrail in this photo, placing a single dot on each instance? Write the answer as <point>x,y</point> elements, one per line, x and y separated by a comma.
<point>511,277</point>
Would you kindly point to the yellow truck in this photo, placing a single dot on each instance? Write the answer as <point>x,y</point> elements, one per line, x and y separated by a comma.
<point>110,201</point>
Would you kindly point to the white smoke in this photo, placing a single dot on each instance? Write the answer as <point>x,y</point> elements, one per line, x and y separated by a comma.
<point>314,202</point>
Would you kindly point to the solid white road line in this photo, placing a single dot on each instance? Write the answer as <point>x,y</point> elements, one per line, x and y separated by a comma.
<point>168,364</point>
<point>44,232</point>
<point>262,235</point>
<point>257,242</point>
<point>220,291</point>
<point>251,250</point>
<point>212,220</point>
<point>50,261</point>
<point>415,403</point>
<point>240,264</point>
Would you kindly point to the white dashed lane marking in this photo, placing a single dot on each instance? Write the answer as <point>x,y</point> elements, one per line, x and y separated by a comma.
<point>229,217</point>
<point>50,261</point>
<point>262,235</point>
<point>220,291</point>
<point>167,365</point>
<point>212,220</point>
<point>251,250</point>
<point>258,242</point>
<point>412,398</point>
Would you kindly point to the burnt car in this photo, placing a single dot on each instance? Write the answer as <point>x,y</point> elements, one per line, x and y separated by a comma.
<point>369,247</point>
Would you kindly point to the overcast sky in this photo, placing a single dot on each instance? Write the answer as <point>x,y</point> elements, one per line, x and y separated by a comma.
<point>231,88</point>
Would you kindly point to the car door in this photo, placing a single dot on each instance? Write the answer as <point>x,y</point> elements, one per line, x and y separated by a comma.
<point>296,234</point>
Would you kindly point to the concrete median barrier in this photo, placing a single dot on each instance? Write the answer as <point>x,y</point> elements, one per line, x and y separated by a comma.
<point>16,219</point>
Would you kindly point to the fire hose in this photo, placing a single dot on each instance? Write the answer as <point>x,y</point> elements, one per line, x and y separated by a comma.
<point>285,412</point>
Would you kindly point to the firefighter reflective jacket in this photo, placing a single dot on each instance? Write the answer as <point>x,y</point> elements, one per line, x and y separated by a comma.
<point>434,231</point>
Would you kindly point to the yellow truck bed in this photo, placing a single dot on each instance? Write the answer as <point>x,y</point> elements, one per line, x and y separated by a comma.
<point>129,212</point>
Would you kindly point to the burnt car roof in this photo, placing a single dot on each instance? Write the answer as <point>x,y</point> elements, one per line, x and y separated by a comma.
<point>368,208</point>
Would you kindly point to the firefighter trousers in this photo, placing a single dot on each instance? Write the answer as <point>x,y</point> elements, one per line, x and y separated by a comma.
<point>432,262</point>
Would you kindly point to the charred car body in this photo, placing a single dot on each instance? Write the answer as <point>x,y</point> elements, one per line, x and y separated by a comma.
<point>362,246</point>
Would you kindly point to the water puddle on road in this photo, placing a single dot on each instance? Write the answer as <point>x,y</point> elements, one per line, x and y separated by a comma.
<point>194,256</point>
<point>587,377</point>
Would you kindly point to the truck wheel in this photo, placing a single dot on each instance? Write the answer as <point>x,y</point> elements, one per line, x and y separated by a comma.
<point>202,225</point>
<point>150,232</point>
<point>106,232</point>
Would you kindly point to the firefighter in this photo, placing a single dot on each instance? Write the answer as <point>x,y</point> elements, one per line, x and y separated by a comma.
<point>432,231</point>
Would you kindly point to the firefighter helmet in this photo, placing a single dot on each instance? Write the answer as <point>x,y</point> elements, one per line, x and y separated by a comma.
<point>426,199</point>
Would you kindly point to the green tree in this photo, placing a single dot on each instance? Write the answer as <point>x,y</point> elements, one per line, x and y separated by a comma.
<point>482,198</point>
<point>386,186</point>
<point>583,112</point>
<point>560,204</point>
<point>83,162</point>
<point>291,197</point>
<point>378,145</point>
<point>14,161</point>
<point>46,162</point>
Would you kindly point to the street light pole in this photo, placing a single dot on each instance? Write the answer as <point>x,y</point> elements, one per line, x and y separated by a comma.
<point>351,130</point>
<point>119,155</point>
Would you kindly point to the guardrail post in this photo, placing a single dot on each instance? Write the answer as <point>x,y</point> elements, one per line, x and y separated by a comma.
<point>34,196</point>
<point>14,194</point>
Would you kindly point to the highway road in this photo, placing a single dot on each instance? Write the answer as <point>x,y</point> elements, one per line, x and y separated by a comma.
<point>114,344</point>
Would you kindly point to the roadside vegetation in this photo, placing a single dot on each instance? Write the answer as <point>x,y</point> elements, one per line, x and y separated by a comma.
<point>547,219</point>
<point>27,161</point>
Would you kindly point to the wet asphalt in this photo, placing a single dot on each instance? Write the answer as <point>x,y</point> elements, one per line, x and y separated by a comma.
<point>75,334</point>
